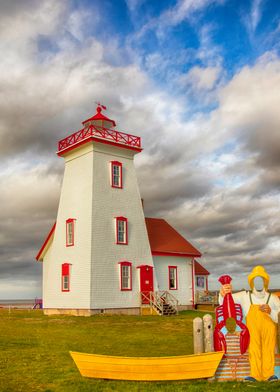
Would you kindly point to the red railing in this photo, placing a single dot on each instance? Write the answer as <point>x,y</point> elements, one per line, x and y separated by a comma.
<point>101,133</point>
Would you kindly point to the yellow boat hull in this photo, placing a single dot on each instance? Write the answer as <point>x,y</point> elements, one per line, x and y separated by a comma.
<point>184,367</point>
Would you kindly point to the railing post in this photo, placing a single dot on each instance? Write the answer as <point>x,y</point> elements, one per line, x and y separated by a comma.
<point>197,335</point>
<point>208,333</point>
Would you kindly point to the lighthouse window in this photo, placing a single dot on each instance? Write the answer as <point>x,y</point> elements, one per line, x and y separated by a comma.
<point>125,276</point>
<point>121,230</point>
<point>70,232</point>
<point>65,277</point>
<point>172,278</point>
<point>116,174</point>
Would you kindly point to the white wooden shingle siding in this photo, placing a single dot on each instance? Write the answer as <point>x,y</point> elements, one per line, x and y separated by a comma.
<point>109,203</point>
<point>184,276</point>
<point>88,197</point>
<point>75,202</point>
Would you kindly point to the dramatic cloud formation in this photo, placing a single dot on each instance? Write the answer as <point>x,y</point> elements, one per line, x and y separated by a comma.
<point>210,130</point>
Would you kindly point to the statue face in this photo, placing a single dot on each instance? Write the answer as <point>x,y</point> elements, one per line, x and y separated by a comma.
<point>259,283</point>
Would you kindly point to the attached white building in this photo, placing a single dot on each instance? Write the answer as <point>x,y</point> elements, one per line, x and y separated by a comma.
<point>101,255</point>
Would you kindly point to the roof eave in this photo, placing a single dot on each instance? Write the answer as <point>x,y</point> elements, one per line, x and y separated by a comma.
<point>176,254</point>
<point>45,245</point>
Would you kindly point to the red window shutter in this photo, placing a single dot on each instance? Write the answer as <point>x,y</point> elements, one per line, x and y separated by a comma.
<point>65,269</point>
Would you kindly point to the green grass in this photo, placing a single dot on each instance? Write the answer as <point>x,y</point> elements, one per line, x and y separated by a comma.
<point>34,350</point>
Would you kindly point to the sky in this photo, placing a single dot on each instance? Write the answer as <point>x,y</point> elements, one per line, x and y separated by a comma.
<point>198,80</point>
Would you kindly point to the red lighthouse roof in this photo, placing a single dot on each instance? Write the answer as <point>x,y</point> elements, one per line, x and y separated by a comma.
<point>98,128</point>
<point>99,119</point>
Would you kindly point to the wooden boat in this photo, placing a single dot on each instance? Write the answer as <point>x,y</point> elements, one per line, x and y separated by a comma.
<point>148,368</point>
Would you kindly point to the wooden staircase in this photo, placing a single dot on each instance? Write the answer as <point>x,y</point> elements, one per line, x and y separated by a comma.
<point>158,303</point>
<point>169,310</point>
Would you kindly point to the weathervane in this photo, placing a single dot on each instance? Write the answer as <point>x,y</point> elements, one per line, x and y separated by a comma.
<point>99,105</point>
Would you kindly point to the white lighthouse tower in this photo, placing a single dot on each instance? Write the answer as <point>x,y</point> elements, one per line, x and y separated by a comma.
<point>97,256</point>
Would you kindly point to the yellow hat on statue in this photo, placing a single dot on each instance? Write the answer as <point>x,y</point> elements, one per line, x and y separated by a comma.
<point>258,271</point>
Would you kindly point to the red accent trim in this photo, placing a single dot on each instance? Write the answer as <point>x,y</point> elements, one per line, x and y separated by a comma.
<point>128,264</point>
<point>99,141</point>
<point>146,281</point>
<point>170,267</point>
<point>101,134</point>
<point>121,218</point>
<point>193,304</point>
<point>144,265</point>
<point>46,241</point>
<point>70,220</point>
<point>156,253</point>
<point>65,271</point>
<point>119,164</point>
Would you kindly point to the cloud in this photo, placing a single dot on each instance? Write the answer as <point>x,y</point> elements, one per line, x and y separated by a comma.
<point>254,17</point>
<point>134,5</point>
<point>213,174</point>
<point>248,109</point>
<point>227,199</point>
<point>199,78</point>
<point>236,222</point>
<point>182,10</point>
<point>173,16</point>
<point>28,200</point>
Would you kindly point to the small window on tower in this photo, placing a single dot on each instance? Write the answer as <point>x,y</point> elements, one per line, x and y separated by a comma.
<point>121,230</point>
<point>125,276</point>
<point>116,174</point>
<point>173,280</point>
<point>70,232</point>
<point>65,277</point>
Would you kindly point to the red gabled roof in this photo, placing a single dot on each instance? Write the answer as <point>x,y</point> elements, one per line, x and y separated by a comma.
<point>45,244</point>
<point>164,240</point>
<point>199,269</point>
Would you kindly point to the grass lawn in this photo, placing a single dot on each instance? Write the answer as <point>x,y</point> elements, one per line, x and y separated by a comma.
<point>34,350</point>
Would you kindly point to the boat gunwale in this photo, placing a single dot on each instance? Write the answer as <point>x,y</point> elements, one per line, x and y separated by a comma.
<point>212,353</point>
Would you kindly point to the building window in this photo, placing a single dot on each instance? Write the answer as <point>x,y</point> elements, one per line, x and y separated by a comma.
<point>121,230</point>
<point>173,279</point>
<point>200,282</point>
<point>65,277</point>
<point>70,232</point>
<point>116,174</point>
<point>125,276</point>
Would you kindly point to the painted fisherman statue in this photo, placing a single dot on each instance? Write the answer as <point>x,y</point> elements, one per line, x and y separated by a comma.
<point>261,310</point>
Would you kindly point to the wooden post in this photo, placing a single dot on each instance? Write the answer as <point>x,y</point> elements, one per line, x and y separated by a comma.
<point>208,333</point>
<point>197,335</point>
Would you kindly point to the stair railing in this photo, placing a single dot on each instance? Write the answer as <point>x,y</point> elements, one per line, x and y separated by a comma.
<point>153,300</point>
<point>157,300</point>
<point>169,299</point>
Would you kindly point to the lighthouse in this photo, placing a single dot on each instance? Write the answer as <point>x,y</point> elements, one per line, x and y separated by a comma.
<point>100,243</point>
<point>102,255</point>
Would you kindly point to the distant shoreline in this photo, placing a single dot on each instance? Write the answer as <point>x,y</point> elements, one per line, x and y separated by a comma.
<point>17,303</point>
